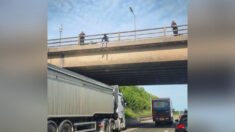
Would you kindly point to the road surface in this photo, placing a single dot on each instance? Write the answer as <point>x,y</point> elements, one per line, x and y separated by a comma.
<point>148,126</point>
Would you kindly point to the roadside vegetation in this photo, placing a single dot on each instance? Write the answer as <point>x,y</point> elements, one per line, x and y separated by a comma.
<point>176,114</point>
<point>138,101</point>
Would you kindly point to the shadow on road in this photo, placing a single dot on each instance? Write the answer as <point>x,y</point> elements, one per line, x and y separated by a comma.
<point>152,125</point>
<point>149,126</point>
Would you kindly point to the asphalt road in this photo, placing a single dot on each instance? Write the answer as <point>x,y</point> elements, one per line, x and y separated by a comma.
<point>148,126</point>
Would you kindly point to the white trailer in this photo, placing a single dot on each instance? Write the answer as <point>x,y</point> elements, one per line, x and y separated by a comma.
<point>80,104</point>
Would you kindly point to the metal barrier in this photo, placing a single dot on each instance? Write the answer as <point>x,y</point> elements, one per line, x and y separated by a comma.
<point>120,36</point>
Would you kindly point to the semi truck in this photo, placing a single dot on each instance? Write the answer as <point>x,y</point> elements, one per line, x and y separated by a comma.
<point>162,111</point>
<point>77,103</point>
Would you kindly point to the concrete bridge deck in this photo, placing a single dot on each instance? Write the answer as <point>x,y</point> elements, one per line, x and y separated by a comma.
<point>161,60</point>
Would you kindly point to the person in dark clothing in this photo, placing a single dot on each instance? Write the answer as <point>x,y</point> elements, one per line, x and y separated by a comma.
<point>82,38</point>
<point>105,40</point>
<point>174,27</point>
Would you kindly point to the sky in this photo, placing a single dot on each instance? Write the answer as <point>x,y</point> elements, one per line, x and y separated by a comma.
<point>104,16</point>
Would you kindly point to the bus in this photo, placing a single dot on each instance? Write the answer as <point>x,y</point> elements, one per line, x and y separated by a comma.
<point>162,111</point>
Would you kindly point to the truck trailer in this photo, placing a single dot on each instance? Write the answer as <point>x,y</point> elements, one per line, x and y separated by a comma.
<point>80,104</point>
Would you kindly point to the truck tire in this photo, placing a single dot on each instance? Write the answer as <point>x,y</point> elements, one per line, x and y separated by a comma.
<point>171,121</point>
<point>156,124</point>
<point>52,126</point>
<point>66,126</point>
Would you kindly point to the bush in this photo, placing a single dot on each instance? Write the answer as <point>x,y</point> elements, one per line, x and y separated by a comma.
<point>131,114</point>
<point>137,99</point>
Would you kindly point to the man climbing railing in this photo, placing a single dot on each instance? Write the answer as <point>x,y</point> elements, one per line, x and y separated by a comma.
<point>120,36</point>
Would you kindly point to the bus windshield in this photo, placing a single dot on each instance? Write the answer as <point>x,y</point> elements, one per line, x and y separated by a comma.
<point>160,104</point>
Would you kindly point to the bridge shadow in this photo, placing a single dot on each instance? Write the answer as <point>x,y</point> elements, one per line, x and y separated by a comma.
<point>152,125</point>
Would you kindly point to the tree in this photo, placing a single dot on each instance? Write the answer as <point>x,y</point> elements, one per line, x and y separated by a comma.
<point>137,98</point>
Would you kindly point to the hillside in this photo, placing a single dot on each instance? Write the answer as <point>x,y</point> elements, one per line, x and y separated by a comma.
<point>138,101</point>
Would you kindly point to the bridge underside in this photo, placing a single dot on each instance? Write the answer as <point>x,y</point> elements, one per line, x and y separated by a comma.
<point>173,72</point>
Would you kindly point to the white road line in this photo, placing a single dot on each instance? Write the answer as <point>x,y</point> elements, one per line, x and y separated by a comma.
<point>130,129</point>
<point>166,131</point>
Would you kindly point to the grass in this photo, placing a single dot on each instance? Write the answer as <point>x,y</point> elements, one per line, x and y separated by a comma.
<point>131,114</point>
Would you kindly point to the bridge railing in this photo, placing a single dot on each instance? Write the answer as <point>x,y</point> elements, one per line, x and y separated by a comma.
<point>120,36</point>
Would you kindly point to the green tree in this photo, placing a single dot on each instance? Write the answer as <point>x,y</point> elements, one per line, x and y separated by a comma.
<point>137,98</point>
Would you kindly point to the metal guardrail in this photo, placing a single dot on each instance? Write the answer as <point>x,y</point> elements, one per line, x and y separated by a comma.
<point>119,36</point>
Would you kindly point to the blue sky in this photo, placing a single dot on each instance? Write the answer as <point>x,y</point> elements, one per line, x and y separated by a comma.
<point>177,93</point>
<point>103,16</point>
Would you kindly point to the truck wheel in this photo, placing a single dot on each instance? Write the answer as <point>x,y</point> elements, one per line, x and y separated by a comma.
<point>52,126</point>
<point>66,126</point>
<point>171,121</point>
<point>156,125</point>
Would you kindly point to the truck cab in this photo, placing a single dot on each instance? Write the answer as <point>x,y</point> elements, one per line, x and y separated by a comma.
<point>120,122</point>
<point>121,111</point>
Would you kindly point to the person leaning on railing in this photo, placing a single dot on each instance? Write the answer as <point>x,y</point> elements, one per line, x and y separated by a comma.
<point>174,27</point>
<point>82,38</point>
<point>105,40</point>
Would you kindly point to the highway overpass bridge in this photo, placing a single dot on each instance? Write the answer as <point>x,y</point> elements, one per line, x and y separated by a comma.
<point>141,57</point>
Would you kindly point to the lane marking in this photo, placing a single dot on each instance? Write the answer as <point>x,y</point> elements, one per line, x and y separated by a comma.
<point>166,131</point>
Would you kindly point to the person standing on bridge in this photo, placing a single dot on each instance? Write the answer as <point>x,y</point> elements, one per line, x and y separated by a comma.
<point>105,40</point>
<point>174,27</point>
<point>82,38</point>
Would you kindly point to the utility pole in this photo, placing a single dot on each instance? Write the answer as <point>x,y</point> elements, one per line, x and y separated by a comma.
<point>132,11</point>
<point>60,30</point>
